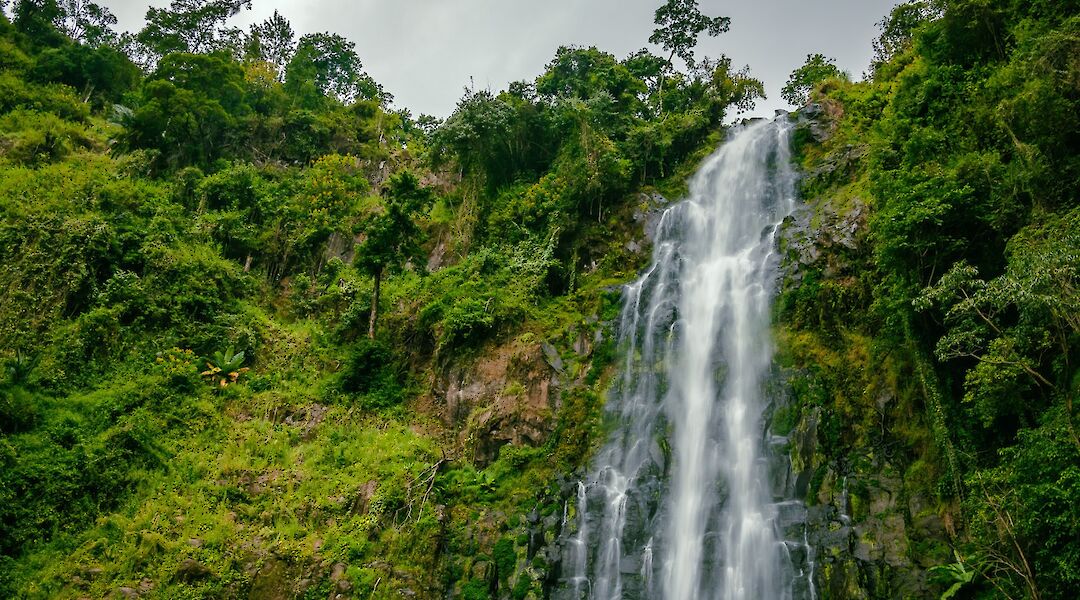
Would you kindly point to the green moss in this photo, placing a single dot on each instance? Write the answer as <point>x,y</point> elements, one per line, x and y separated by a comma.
<point>475,589</point>
<point>505,558</point>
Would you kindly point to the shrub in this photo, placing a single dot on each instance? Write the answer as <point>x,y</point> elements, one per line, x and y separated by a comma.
<point>371,373</point>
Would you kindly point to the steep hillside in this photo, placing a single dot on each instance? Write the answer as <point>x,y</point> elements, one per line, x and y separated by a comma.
<point>928,324</point>
<point>266,337</point>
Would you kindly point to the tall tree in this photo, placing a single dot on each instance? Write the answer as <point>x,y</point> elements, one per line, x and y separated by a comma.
<point>189,109</point>
<point>36,19</point>
<point>192,26</point>
<point>86,22</point>
<point>326,65</point>
<point>273,41</point>
<point>898,27</point>
<point>392,237</point>
<point>678,25</point>
<point>816,69</point>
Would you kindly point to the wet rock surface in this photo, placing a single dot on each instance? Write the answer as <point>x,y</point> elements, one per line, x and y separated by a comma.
<point>508,396</point>
<point>865,526</point>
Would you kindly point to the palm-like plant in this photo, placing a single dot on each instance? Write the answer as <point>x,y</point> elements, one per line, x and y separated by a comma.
<point>224,368</point>
<point>19,367</point>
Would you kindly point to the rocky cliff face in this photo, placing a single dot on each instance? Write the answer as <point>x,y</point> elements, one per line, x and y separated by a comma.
<point>507,396</point>
<point>873,528</point>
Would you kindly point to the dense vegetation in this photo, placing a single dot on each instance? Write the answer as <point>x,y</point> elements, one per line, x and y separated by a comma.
<point>241,296</point>
<point>961,149</point>
<point>236,284</point>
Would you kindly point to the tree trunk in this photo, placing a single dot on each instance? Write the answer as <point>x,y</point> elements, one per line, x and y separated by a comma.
<point>663,74</point>
<point>374,306</point>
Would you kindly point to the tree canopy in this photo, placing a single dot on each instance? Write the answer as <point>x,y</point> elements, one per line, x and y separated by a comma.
<point>802,81</point>
<point>679,23</point>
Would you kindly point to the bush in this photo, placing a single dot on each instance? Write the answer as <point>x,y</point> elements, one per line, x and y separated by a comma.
<point>18,410</point>
<point>505,558</point>
<point>475,589</point>
<point>57,99</point>
<point>370,372</point>
<point>30,138</point>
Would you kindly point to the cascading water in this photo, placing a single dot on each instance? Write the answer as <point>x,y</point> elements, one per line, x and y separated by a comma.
<point>678,506</point>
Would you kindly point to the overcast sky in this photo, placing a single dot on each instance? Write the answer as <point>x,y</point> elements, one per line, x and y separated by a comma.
<point>425,51</point>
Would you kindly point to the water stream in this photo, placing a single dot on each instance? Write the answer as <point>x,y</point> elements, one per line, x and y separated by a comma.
<point>679,504</point>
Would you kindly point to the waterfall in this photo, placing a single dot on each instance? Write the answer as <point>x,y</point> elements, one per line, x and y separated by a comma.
<point>678,505</point>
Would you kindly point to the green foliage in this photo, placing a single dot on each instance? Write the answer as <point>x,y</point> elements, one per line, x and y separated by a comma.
<point>16,92</point>
<point>475,589</point>
<point>102,74</point>
<point>33,138</point>
<point>678,25</point>
<point>326,66</point>
<point>392,236</point>
<point>898,28</point>
<point>370,371</point>
<point>1023,519</point>
<point>958,147</point>
<point>505,558</point>
<point>86,457</point>
<point>493,289</point>
<point>188,26</point>
<point>499,138</point>
<point>189,109</point>
<point>955,576</point>
<point>587,104</point>
<point>86,22</point>
<point>272,41</point>
<point>802,81</point>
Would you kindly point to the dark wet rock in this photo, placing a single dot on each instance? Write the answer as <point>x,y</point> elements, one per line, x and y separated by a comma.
<point>647,216</point>
<point>551,356</point>
<point>93,573</point>
<point>191,570</point>
<point>810,112</point>
<point>507,396</point>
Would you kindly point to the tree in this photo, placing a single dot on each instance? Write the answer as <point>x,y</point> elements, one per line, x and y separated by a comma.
<point>650,69</point>
<point>584,73</point>
<point>897,29</point>
<point>732,88</point>
<point>36,18</point>
<point>392,237</point>
<point>678,25</point>
<point>192,26</point>
<point>479,134</point>
<point>86,22</point>
<point>326,65</point>
<point>273,41</point>
<point>189,109</point>
<point>816,69</point>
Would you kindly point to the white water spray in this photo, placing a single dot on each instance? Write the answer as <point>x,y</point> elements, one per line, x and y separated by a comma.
<point>678,507</point>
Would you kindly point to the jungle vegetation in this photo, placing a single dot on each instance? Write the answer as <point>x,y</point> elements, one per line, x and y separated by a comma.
<point>233,274</point>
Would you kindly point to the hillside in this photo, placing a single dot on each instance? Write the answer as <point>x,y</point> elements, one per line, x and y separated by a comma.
<point>265,336</point>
